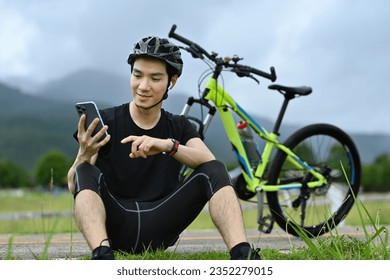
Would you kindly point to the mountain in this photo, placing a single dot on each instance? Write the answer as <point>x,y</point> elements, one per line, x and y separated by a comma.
<point>84,85</point>
<point>370,146</point>
<point>14,102</point>
<point>30,125</point>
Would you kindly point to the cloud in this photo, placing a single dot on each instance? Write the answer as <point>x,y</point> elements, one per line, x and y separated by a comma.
<point>16,34</point>
<point>340,48</point>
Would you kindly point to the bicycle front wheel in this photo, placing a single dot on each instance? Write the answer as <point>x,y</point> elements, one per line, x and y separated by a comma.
<point>330,151</point>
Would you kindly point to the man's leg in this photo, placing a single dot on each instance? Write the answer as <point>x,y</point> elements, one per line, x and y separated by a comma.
<point>90,217</point>
<point>90,213</point>
<point>226,214</point>
<point>224,206</point>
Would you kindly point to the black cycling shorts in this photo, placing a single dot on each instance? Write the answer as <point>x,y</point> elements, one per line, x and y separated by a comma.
<point>138,226</point>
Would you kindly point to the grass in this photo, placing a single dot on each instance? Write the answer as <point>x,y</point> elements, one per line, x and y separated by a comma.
<point>39,203</point>
<point>372,215</point>
<point>344,247</point>
<point>35,201</point>
<point>44,202</point>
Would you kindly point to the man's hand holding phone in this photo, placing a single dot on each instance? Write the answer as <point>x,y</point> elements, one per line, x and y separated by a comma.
<point>92,133</point>
<point>90,110</point>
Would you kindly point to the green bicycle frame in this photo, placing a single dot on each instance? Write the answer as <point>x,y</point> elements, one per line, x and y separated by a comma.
<point>254,178</point>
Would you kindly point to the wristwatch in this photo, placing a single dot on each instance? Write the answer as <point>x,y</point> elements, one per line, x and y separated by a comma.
<point>175,146</point>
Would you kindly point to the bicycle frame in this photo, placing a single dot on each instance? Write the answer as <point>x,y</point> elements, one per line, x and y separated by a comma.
<point>254,178</point>
<point>288,171</point>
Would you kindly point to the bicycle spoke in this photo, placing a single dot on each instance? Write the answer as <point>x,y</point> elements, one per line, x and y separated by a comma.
<point>325,206</point>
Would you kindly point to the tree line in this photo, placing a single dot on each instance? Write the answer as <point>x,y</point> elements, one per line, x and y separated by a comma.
<point>51,170</point>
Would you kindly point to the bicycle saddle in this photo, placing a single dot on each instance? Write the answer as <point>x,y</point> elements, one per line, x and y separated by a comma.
<point>294,91</point>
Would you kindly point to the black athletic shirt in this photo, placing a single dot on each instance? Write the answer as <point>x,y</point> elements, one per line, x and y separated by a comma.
<point>140,179</point>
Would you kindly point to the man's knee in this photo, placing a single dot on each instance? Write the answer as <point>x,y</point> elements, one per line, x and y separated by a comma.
<point>87,176</point>
<point>217,175</point>
<point>213,166</point>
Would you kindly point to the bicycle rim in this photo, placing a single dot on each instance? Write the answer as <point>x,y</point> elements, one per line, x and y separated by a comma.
<point>325,148</point>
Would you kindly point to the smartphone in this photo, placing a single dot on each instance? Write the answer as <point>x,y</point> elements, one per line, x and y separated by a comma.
<point>90,109</point>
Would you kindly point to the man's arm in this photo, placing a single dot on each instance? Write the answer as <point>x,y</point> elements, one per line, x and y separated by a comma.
<point>192,154</point>
<point>88,149</point>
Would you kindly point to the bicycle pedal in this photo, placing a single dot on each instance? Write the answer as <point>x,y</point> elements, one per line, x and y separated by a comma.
<point>266,224</point>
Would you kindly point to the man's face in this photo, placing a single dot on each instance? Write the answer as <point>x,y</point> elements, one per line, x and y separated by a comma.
<point>149,81</point>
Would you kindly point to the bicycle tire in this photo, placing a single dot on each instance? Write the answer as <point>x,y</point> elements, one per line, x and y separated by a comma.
<point>327,148</point>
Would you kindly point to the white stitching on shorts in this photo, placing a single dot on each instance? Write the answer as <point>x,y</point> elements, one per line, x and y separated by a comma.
<point>163,202</point>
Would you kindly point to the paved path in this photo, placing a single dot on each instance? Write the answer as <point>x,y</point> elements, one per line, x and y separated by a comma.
<point>63,246</point>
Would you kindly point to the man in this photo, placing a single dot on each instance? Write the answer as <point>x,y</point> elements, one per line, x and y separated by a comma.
<point>126,189</point>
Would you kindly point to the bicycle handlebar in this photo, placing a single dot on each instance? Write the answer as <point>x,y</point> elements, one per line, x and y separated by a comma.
<point>196,50</point>
<point>240,69</point>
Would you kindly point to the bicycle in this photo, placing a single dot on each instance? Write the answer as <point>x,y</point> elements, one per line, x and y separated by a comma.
<point>313,179</point>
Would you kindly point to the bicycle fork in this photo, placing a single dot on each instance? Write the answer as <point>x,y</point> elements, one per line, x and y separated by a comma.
<point>202,125</point>
<point>205,123</point>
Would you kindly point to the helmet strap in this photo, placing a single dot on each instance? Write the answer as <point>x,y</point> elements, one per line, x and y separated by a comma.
<point>165,96</point>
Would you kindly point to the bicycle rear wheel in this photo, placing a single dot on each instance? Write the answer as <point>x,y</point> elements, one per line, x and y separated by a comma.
<point>316,211</point>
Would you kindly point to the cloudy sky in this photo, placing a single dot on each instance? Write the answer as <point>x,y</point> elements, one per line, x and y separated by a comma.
<point>341,48</point>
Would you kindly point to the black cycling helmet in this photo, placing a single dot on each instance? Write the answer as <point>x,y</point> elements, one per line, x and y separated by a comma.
<point>159,48</point>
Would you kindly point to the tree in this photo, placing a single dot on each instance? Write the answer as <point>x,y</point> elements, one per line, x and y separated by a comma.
<point>12,175</point>
<point>51,169</point>
<point>376,176</point>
